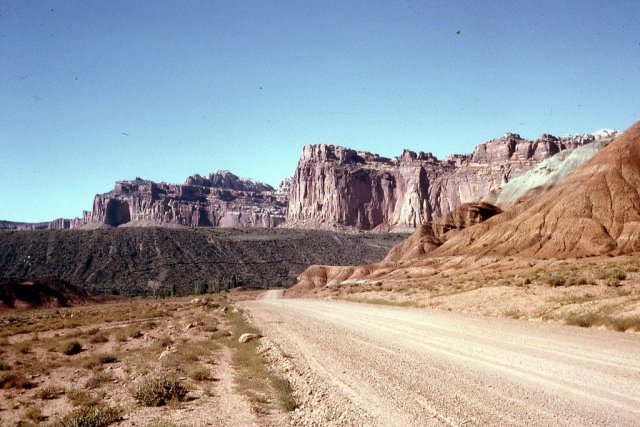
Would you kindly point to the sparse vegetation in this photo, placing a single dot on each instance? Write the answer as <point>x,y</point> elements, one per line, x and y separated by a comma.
<point>513,313</point>
<point>121,335</point>
<point>100,415</point>
<point>618,274</point>
<point>594,319</point>
<point>71,348</point>
<point>49,392</point>
<point>284,393</point>
<point>159,391</point>
<point>15,380</point>
<point>199,374</point>
<point>33,413</point>
<point>161,423</point>
<point>553,279</point>
<point>99,338</point>
<point>613,282</point>
<point>98,379</point>
<point>79,397</point>
<point>135,333</point>
<point>254,379</point>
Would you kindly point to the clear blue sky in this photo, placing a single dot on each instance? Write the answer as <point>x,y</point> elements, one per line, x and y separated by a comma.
<point>243,85</point>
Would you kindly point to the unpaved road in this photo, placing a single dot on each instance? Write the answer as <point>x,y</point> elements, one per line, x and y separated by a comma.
<point>373,365</point>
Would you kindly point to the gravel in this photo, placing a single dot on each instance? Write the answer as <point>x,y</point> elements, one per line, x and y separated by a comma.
<point>359,364</point>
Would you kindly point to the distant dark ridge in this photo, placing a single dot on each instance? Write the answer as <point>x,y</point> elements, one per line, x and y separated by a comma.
<point>155,260</point>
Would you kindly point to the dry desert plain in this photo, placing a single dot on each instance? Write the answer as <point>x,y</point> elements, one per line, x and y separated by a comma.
<point>327,361</point>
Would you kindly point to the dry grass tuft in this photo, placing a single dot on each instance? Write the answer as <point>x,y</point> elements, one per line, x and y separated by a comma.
<point>15,380</point>
<point>98,380</point>
<point>49,392</point>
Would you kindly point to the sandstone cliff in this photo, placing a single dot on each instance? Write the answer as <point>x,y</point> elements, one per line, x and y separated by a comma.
<point>336,187</point>
<point>219,200</point>
<point>594,211</point>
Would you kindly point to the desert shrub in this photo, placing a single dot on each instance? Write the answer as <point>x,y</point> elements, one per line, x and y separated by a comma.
<point>158,391</point>
<point>602,274</point>
<point>100,415</point>
<point>4,366</point>
<point>24,348</point>
<point>618,274</point>
<point>71,347</point>
<point>554,279</point>
<point>163,342</point>
<point>199,374</point>
<point>99,359</point>
<point>33,413</point>
<point>121,335</point>
<point>15,380</point>
<point>623,324</point>
<point>575,281</point>
<point>210,328</point>
<point>99,338</point>
<point>584,321</point>
<point>106,358</point>
<point>135,333</point>
<point>612,281</point>
<point>81,398</point>
<point>513,313</point>
<point>49,392</point>
<point>98,379</point>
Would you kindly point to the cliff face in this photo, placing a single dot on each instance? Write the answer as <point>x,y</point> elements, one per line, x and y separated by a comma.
<point>219,200</point>
<point>336,187</point>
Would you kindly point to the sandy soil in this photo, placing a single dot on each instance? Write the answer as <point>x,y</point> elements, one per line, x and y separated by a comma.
<point>360,364</point>
<point>510,287</point>
<point>186,324</point>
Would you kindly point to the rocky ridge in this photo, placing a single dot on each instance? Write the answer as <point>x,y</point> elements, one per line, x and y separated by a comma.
<point>594,211</point>
<point>335,187</point>
<point>220,199</point>
<point>342,189</point>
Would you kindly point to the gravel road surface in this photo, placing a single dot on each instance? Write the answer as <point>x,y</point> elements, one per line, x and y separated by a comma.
<point>375,365</point>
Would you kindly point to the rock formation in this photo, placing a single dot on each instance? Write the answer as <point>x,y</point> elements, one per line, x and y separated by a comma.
<point>339,188</point>
<point>433,234</point>
<point>550,171</point>
<point>219,200</point>
<point>420,244</point>
<point>336,187</point>
<point>594,211</point>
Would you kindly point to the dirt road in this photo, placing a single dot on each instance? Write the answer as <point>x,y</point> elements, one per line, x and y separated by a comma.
<point>375,365</point>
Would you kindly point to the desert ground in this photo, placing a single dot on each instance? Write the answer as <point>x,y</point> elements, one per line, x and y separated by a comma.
<point>457,341</point>
<point>137,362</point>
<point>589,292</point>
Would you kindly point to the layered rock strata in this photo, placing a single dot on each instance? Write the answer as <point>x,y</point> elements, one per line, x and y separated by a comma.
<point>219,200</point>
<point>336,187</point>
<point>594,211</point>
